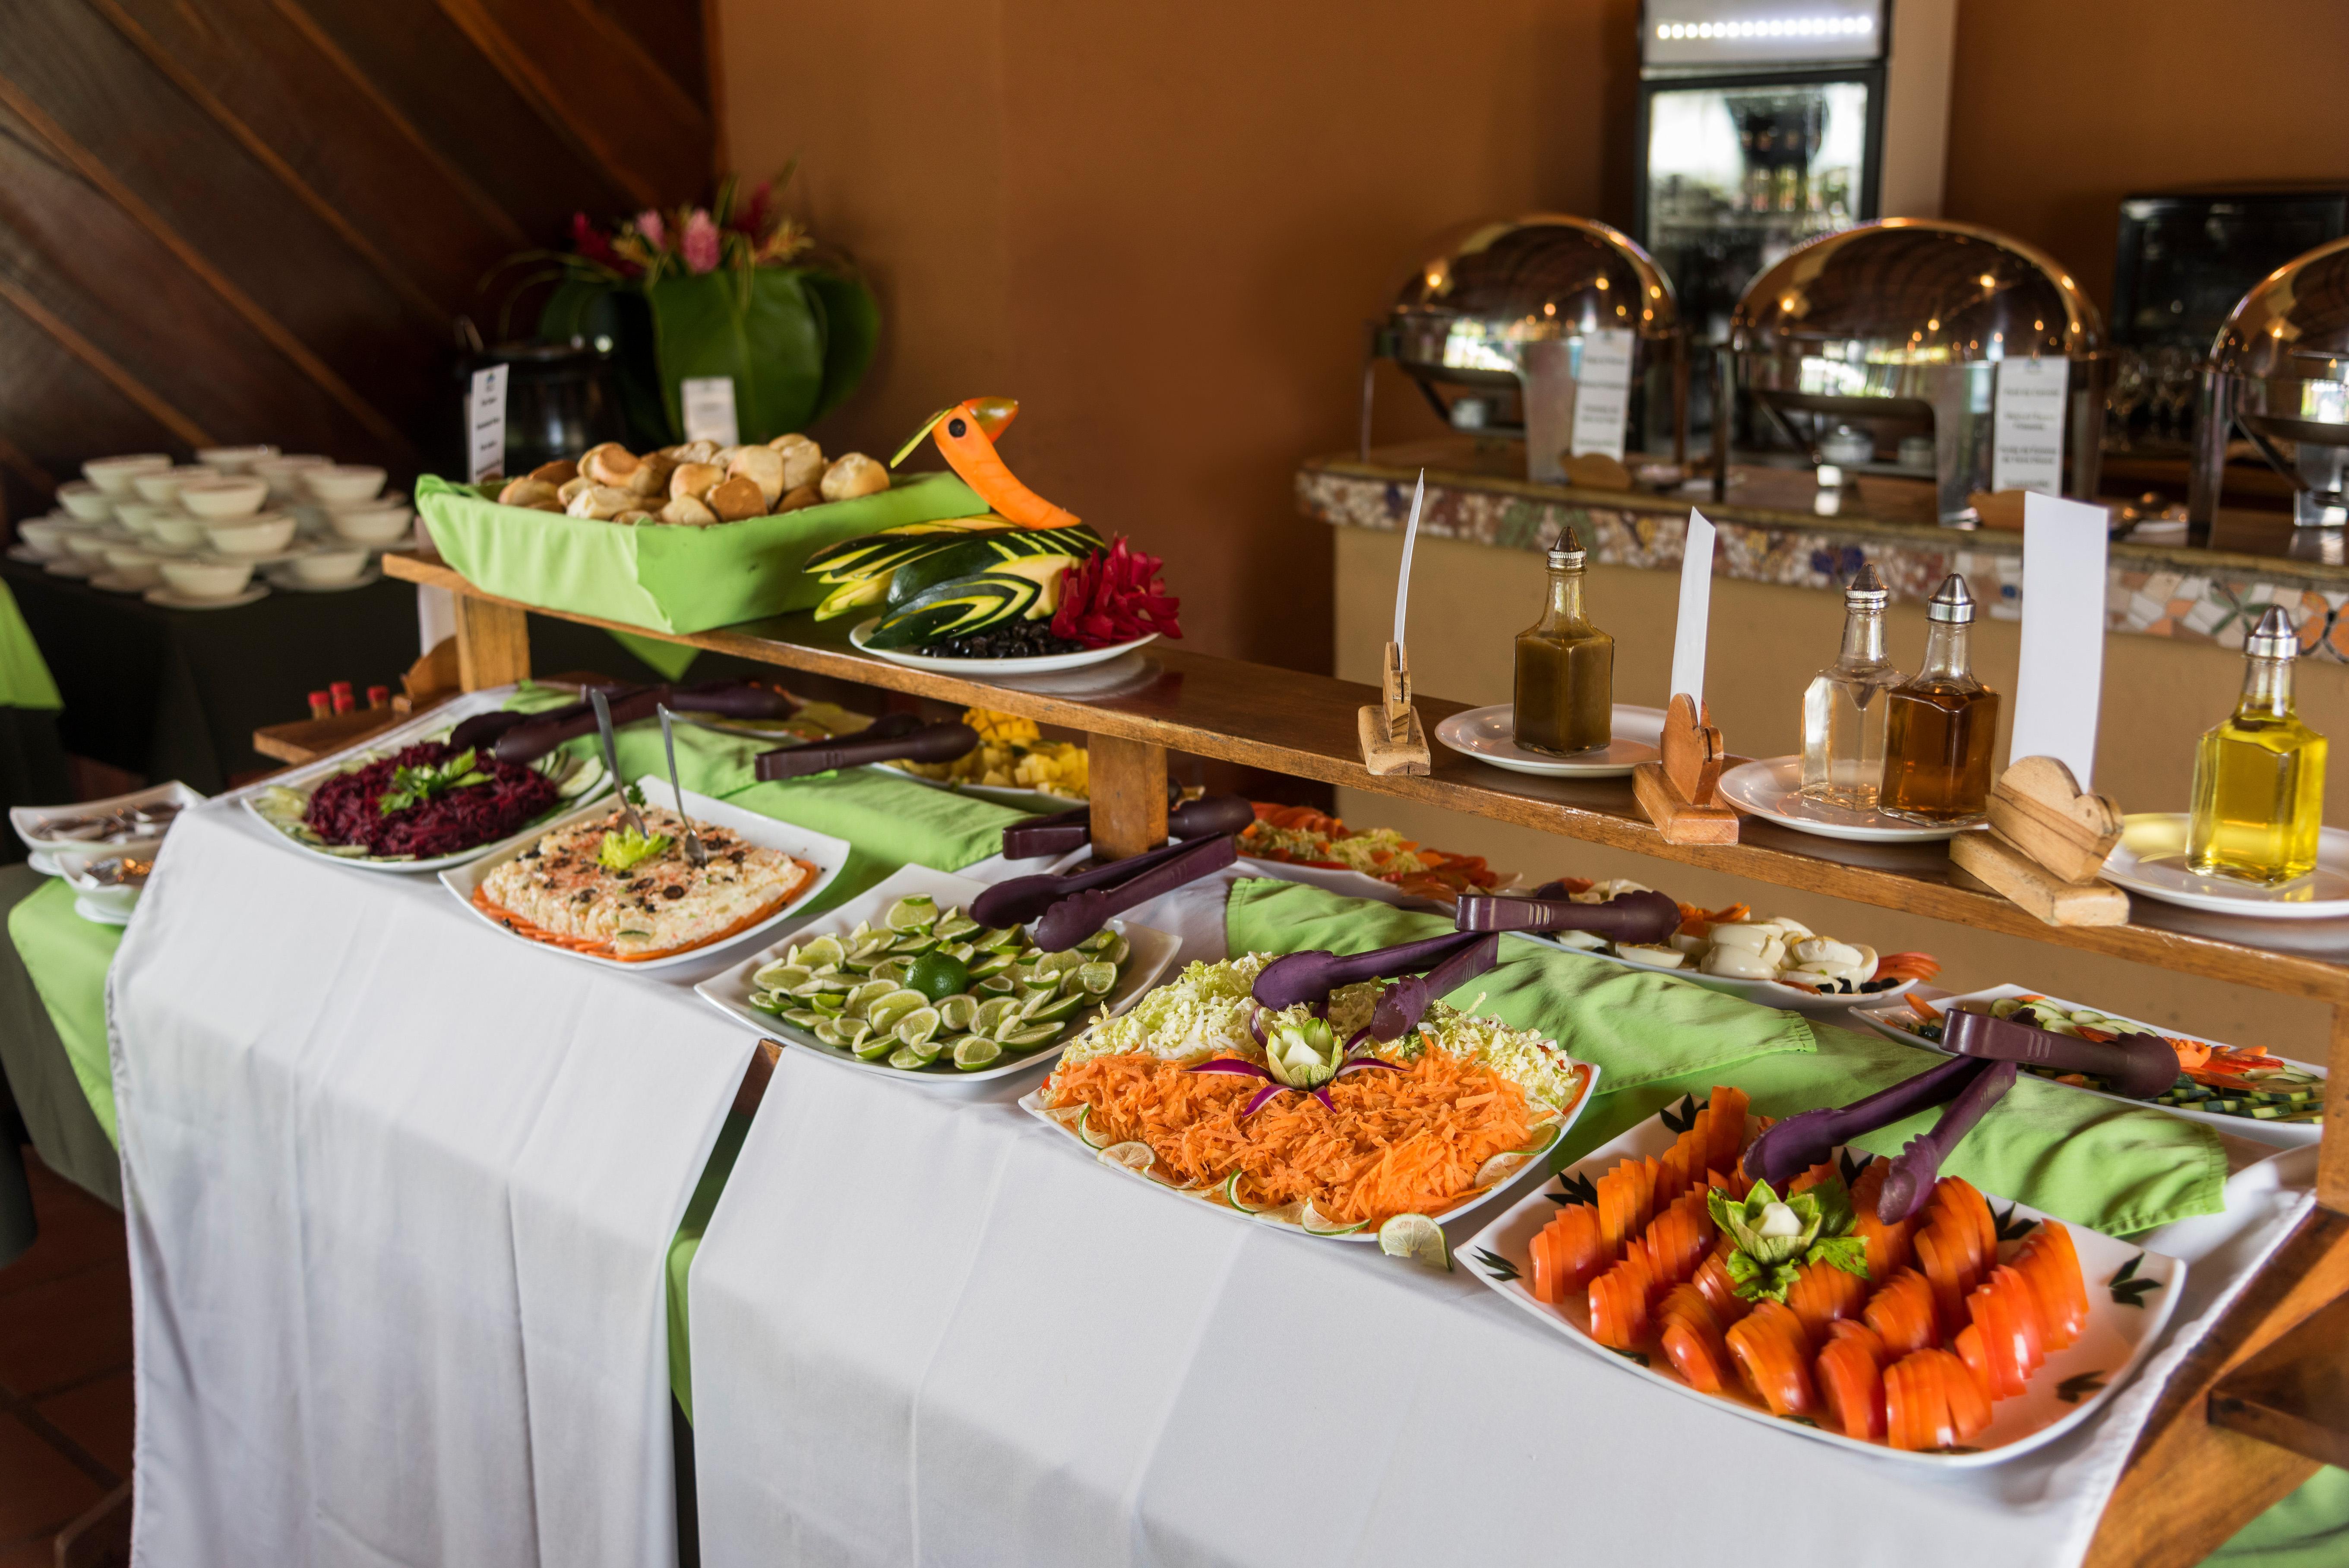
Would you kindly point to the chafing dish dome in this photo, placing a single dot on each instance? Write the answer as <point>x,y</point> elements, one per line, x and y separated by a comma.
<point>2294,323</point>
<point>1491,286</point>
<point>1918,291</point>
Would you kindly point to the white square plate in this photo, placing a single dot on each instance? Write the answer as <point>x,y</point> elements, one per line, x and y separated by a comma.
<point>2122,1325</point>
<point>823,852</point>
<point>2286,1134</point>
<point>731,992</point>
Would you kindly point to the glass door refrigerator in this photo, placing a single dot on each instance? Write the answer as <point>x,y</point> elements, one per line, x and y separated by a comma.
<point>1761,126</point>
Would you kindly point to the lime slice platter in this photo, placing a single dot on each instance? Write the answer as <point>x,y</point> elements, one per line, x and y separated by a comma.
<point>901,980</point>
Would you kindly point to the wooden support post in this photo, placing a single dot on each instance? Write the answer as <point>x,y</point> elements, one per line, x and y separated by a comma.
<point>2295,1393</point>
<point>2332,1151</point>
<point>1128,784</point>
<point>492,644</point>
<point>2190,1485</point>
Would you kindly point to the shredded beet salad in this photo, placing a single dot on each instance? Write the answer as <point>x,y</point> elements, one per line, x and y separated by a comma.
<point>344,809</point>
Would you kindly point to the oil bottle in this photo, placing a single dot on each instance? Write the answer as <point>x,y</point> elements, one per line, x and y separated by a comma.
<point>1844,708</point>
<point>1940,725</point>
<point>1565,665</point>
<point>2258,777</point>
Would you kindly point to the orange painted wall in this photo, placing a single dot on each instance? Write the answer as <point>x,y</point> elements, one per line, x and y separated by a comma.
<point>1162,228</point>
<point>2060,109</point>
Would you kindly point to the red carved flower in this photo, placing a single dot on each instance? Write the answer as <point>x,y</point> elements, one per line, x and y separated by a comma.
<point>1115,596</point>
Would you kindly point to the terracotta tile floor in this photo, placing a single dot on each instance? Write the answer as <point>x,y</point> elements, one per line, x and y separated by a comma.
<point>64,1368</point>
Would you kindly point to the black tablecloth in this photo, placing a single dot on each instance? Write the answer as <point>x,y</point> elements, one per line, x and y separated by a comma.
<point>177,694</point>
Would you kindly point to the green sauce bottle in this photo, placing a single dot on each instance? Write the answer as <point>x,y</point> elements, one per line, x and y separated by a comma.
<point>1565,667</point>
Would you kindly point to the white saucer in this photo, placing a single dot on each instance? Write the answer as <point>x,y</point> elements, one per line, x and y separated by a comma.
<point>292,584</point>
<point>983,669</point>
<point>2150,858</point>
<point>1487,735</point>
<point>164,598</point>
<point>1772,789</point>
<point>99,914</point>
<point>115,582</point>
<point>42,862</point>
<point>69,566</point>
<point>29,556</point>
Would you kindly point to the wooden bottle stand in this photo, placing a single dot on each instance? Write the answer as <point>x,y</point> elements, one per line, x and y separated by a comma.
<point>1680,793</point>
<point>2046,839</point>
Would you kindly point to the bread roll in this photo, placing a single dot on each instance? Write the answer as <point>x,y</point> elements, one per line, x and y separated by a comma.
<point>561,472</point>
<point>694,479</point>
<point>688,512</point>
<point>806,495</point>
<point>601,504</point>
<point>735,498</point>
<point>852,476</point>
<point>610,464</point>
<point>528,492</point>
<point>763,466</point>
<point>803,460</point>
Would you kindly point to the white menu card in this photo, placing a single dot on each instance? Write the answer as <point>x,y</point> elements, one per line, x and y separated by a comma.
<point>1696,609</point>
<point>485,424</point>
<point>2061,682</point>
<point>2027,426</point>
<point>1602,393</point>
<point>709,408</point>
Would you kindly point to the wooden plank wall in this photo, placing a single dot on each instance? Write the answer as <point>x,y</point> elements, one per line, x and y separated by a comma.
<point>236,220</point>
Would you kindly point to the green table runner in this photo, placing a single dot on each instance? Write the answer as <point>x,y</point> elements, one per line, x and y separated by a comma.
<point>2111,1166</point>
<point>25,679</point>
<point>68,958</point>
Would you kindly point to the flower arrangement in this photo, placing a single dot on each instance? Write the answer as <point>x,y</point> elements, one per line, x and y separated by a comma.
<point>734,230</point>
<point>737,289</point>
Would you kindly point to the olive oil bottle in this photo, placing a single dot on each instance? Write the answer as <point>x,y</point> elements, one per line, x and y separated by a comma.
<point>1844,708</point>
<point>2258,777</point>
<point>1939,726</point>
<point>1565,667</point>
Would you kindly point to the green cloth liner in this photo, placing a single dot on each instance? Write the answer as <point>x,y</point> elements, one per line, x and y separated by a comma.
<point>688,1242</point>
<point>68,958</point>
<point>2309,1529</point>
<point>2095,1162</point>
<point>665,578</point>
<point>25,679</point>
<point>669,660</point>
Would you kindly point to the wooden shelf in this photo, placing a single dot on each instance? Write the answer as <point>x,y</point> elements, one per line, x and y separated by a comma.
<point>1303,725</point>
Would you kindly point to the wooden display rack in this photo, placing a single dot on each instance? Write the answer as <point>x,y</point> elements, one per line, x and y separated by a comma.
<point>2248,1417</point>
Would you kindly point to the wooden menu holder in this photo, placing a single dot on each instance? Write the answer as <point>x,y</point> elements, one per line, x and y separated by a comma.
<point>1392,740</point>
<point>2045,842</point>
<point>1678,793</point>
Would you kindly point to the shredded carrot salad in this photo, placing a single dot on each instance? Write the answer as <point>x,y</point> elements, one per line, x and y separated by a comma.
<point>1400,1142</point>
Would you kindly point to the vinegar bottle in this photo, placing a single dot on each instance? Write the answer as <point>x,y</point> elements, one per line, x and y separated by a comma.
<point>1940,725</point>
<point>2258,777</point>
<point>1844,706</point>
<point>1565,666</point>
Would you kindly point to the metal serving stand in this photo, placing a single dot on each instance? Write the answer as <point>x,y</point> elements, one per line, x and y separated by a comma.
<point>1510,324</point>
<point>1903,328</point>
<point>2279,372</point>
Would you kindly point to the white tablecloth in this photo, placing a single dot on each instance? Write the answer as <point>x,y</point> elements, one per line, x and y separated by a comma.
<point>399,1192</point>
<point>927,1330</point>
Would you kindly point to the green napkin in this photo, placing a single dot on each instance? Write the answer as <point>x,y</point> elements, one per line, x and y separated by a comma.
<point>1637,1027</point>
<point>2309,1529</point>
<point>669,660</point>
<point>661,578</point>
<point>707,763</point>
<point>688,1242</point>
<point>24,680</point>
<point>888,822</point>
<point>68,958</point>
<point>2112,1167</point>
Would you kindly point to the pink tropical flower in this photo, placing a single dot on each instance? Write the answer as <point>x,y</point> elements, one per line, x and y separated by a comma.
<point>649,224</point>
<point>700,246</point>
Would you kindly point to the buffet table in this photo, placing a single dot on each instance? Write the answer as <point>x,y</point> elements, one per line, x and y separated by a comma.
<point>443,1229</point>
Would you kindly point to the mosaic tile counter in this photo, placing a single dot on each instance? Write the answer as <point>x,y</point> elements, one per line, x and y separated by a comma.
<point>2160,591</point>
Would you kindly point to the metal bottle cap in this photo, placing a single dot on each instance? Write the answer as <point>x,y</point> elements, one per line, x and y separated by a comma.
<point>1866,590</point>
<point>1566,552</point>
<point>1950,604</point>
<point>2272,638</point>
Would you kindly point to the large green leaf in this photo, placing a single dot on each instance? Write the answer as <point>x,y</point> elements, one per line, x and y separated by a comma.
<point>852,327</point>
<point>759,328</point>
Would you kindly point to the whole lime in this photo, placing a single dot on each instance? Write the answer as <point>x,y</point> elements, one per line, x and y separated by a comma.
<point>938,976</point>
